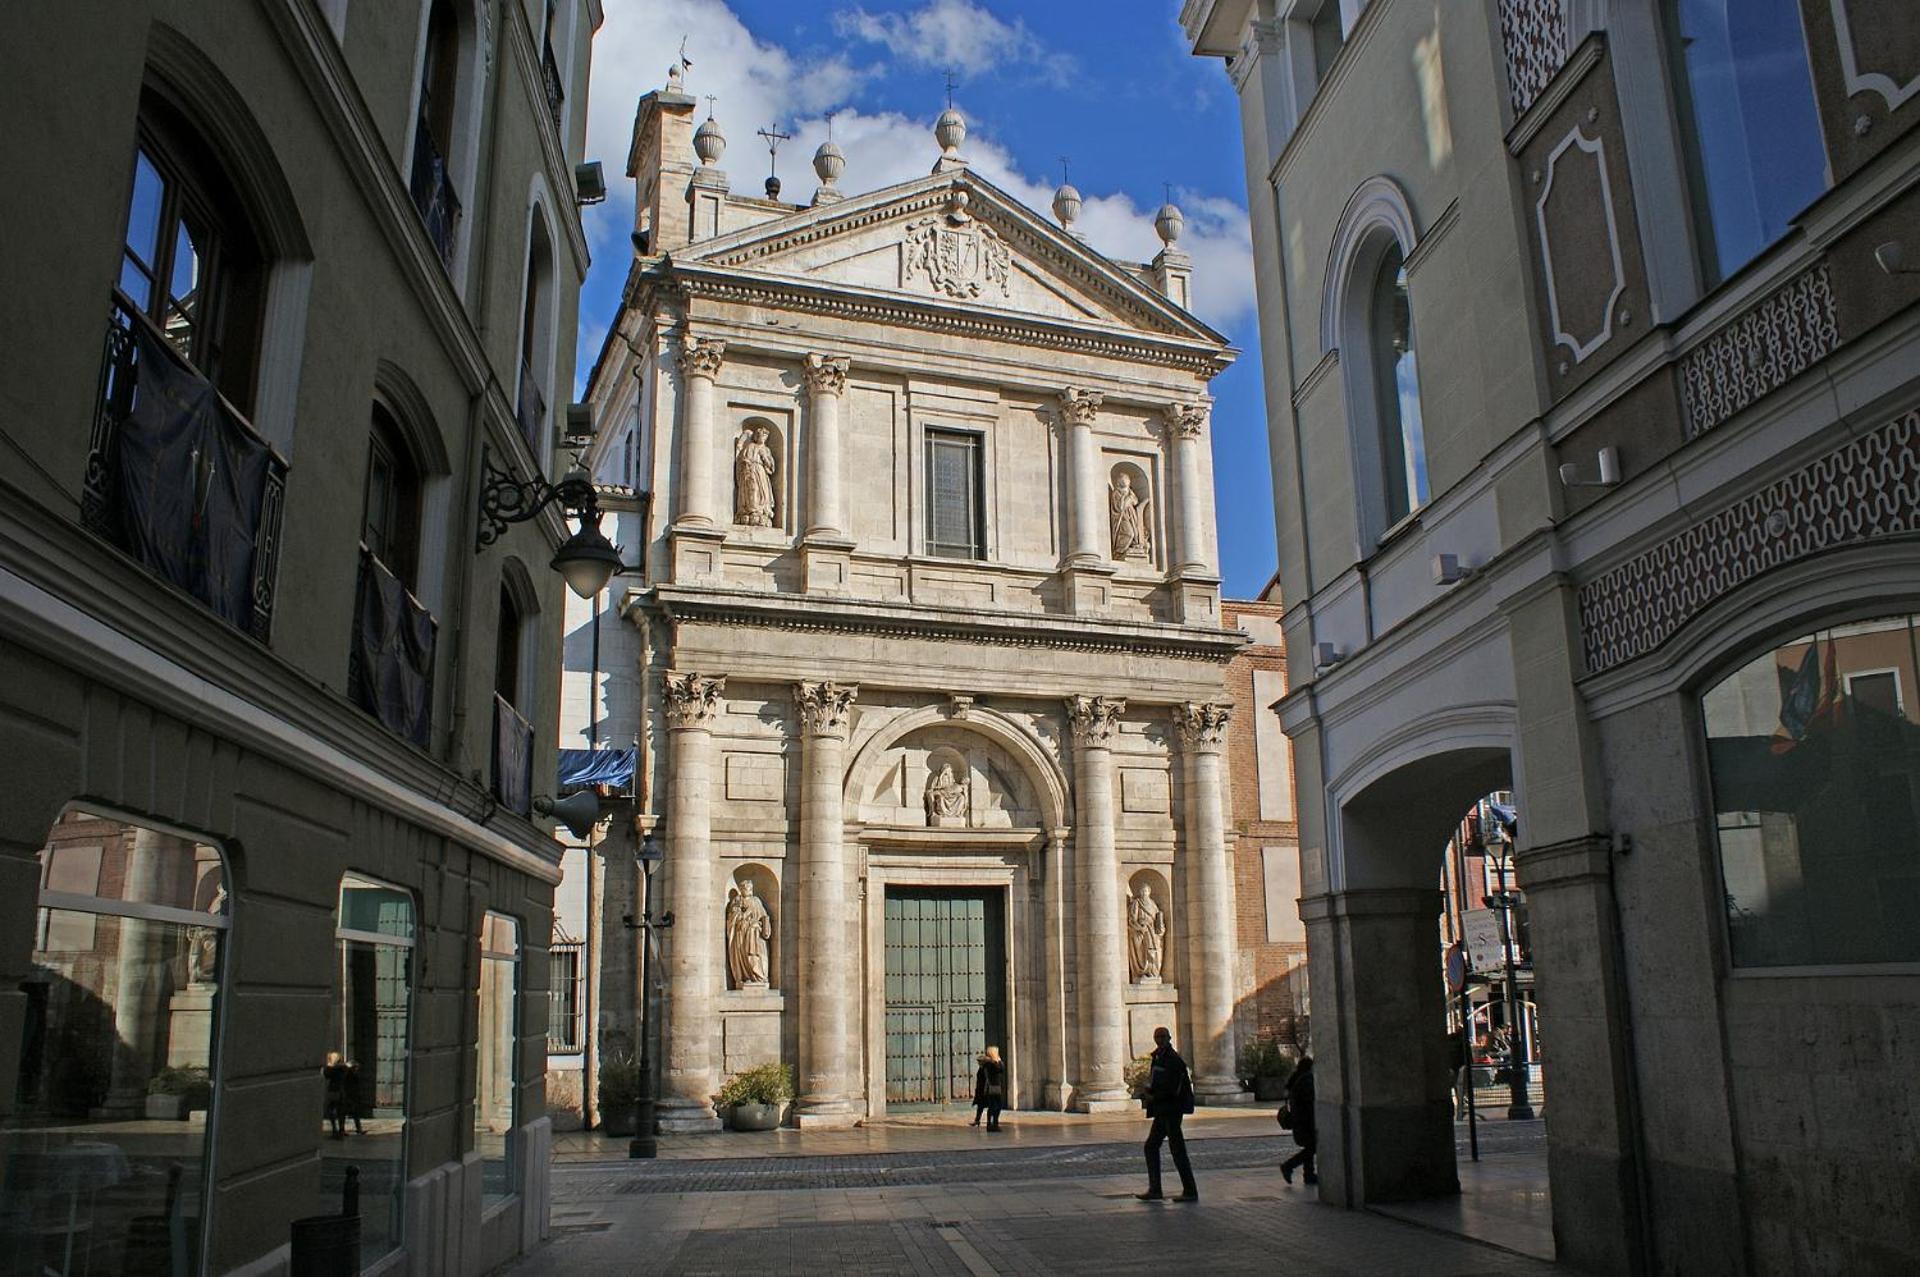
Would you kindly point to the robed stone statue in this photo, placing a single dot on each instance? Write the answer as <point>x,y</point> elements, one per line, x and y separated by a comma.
<point>1127,514</point>
<point>749,928</point>
<point>1146,934</point>
<point>753,471</point>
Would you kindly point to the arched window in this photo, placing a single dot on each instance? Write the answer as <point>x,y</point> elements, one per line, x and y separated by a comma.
<point>1396,397</point>
<point>390,520</point>
<point>506,649</point>
<point>536,335</point>
<point>190,262</point>
<point>513,663</point>
<point>1752,130</point>
<point>1815,761</point>
<point>391,655</point>
<point>1367,318</point>
<point>437,130</point>
<point>368,1045</point>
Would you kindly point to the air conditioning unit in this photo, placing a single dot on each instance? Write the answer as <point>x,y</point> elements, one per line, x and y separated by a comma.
<point>589,183</point>
<point>579,424</point>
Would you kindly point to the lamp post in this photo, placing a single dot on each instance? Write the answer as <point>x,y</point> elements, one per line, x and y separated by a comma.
<point>1519,1105</point>
<point>586,559</point>
<point>645,1143</point>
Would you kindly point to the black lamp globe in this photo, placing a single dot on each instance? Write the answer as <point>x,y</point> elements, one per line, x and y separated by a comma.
<point>587,559</point>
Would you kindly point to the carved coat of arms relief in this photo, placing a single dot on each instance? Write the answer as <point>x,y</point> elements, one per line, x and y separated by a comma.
<point>956,254</point>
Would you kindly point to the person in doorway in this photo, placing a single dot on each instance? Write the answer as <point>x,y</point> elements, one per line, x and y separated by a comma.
<point>1300,1114</point>
<point>357,1100</point>
<point>990,1088</point>
<point>335,1075</point>
<point>1168,1099</point>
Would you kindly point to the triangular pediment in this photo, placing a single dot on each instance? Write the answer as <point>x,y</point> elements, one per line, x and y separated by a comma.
<point>950,238</point>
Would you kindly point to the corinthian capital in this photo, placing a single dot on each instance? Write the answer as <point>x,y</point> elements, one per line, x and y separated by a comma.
<point>693,699</point>
<point>1092,718</point>
<point>1187,420</point>
<point>824,706</point>
<point>1079,406</point>
<point>1202,725</point>
<point>827,374</point>
<point>701,356</point>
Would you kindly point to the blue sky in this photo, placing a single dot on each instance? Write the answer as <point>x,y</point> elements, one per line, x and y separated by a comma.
<point>1108,83</point>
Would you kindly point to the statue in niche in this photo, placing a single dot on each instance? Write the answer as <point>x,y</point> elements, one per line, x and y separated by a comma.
<point>1146,935</point>
<point>203,943</point>
<point>946,798</point>
<point>749,928</point>
<point>753,471</point>
<point>1128,515</point>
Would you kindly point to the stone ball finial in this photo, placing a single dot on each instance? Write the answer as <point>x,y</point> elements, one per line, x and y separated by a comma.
<point>675,77</point>
<point>1066,205</point>
<point>709,143</point>
<point>1168,223</point>
<point>950,130</point>
<point>829,163</point>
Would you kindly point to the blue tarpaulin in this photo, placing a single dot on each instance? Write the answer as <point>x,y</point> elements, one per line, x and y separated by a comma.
<point>581,768</point>
<point>1507,816</point>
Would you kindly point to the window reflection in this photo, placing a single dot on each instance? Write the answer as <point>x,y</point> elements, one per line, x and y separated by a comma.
<point>495,1085</point>
<point>364,1074</point>
<point>1403,449</point>
<point>103,1154</point>
<point>1816,789</point>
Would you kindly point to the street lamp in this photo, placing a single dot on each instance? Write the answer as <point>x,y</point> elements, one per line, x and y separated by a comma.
<point>644,1142</point>
<point>1519,1104</point>
<point>586,559</point>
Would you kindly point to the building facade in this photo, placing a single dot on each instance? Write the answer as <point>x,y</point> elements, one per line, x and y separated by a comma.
<point>1589,338</point>
<point>272,905</point>
<point>932,712</point>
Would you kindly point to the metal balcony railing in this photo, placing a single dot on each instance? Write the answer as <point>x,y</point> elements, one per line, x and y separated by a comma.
<point>512,758</point>
<point>556,94</point>
<point>390,661</point>
<point>433,193</point>
<point>179,479</point>
<point>531,410</point>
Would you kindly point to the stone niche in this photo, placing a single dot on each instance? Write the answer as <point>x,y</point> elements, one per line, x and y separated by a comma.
<point>946,777</point>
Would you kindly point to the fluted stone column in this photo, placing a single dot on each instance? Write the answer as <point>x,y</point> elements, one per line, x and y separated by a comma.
<point>828,1085</point>
<point>1079,408</point>
<point>1186,428</point>
<point>826,395</point>
<point>1103,963</point>
<point>1210,921</point>
<point>693,952</point>
<point>699,364</point>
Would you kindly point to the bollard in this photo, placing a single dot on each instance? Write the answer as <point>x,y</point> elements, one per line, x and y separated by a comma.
<point>329,1245</point>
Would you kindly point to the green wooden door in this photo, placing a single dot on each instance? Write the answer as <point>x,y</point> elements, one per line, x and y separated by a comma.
<point>946,991</point>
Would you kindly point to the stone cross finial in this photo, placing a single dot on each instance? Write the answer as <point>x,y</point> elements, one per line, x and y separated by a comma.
<point>693,700</point>
<point>1093,718</point>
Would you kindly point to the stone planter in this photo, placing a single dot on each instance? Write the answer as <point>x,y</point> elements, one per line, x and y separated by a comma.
<point>754,1117</point>
<point>620,1120</point>
<point>166,1108</point>
<point>1270,1088</point>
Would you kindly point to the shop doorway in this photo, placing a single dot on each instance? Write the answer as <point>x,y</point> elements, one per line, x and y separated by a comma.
<point>946,990</point>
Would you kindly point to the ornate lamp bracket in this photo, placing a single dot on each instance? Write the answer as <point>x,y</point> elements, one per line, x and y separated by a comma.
<point>505,500</point>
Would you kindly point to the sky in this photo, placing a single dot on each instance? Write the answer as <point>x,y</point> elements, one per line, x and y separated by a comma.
<point>1108,84</point>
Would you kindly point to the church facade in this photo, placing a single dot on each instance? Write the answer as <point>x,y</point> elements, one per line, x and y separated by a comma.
<point>931,697</point>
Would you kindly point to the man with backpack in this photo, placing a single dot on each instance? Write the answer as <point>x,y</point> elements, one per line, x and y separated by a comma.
<point>1168,1099</point>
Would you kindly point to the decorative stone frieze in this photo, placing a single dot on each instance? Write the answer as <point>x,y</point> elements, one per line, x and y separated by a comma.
<point>701,356</point>
<point>1774,341</point>
<point>1093,718</point>
<point>693,700</point>
<point>824,706</point>
<point>827,374</point>
<point>1202,725</point>
<point>1866,489</point>
<point>1534,33</point>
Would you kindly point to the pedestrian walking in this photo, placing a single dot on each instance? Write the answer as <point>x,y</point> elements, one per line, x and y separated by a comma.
<point>356,1093</point>
<point>1168,1099</point>
<point>1300,1119</point>
<point>990,1088</point>
<point>335,1074</point>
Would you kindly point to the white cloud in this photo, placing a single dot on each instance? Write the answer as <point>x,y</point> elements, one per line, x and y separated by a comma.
<point>756,81</point>
<point>957,35</point>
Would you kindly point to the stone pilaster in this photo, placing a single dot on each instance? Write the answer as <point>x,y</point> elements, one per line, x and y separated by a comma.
<point>1194,580</point>
<point>693,967</point>
<point>1210,922</point>
<point>829,1026</point>
<point>826,550</point>
<point>1103,964</point>
<point>697,528</point>
<point>1086,573</point>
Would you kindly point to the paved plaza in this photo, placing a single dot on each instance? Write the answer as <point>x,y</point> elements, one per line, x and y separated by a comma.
<point>1051,1194</point>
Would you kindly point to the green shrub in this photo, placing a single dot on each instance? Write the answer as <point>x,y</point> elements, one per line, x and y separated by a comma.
<point>768,1083</point>
<point>619,1085</point>
<point>1265,1057</point>
<point>191,1081</point>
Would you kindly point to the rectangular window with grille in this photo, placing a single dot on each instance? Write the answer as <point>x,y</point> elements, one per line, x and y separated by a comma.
<point>564,1003</point>
<point>955,514</point>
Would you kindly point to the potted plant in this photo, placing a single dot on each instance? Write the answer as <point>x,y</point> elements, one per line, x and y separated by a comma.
<point>174,1093</point>
<point>619,1090</point>
<point>755,1096</point>
<point>1264,1067</point>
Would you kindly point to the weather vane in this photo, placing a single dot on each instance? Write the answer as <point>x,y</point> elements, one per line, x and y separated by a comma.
<point>686,63</point>
<point>952,84</point>
<point>1063,171</point>
<point>774,138</point>
<point>830,115</point>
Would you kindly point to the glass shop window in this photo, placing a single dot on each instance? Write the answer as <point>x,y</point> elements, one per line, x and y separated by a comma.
<point>364,1072</point>
<point>1752,130</point>
<point>1816,798</point>
<point>104,1150</point>
<point>496,1078</point>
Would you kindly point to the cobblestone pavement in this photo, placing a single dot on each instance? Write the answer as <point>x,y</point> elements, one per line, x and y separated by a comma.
<point>982,1211</point>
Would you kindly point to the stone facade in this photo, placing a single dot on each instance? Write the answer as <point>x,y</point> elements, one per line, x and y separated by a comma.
<point>1660,443</point>
<point>932,622</point>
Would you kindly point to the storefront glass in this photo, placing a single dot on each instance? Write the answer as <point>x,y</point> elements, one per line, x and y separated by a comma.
<point>498,1051</point>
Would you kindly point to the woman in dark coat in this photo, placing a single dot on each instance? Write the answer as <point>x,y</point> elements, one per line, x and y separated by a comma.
<point>990,1087</point>
<point>1300,1111</point>
<point>334,1072</point>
